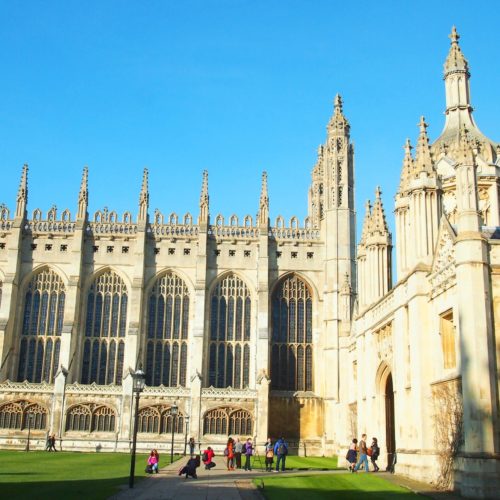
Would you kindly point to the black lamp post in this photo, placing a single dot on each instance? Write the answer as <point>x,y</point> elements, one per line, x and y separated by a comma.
<point>186,421</point>
<point>173,412</point>
<point>29,416</point>
<point>138,382</point>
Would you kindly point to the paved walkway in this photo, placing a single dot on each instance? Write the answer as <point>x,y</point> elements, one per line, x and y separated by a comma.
<point>216,484</point>
<point>219,484</point>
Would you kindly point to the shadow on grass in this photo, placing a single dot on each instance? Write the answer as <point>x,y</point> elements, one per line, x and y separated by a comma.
<point>276,493</point>
<point>96,489</point>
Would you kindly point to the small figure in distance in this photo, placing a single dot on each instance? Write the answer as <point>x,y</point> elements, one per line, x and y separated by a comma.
<point>269,455</point>
<point>281,451</point>
<point>363,455</point>
<point>248,454</point>
<point>192,446</point>
<point>207,457</point>
<point>352,454</point>
<point>53,443</point>
<point>238,450</point>
<point>375,454</point>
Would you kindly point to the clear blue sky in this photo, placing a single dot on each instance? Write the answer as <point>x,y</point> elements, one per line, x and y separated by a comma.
<point>235,87</point>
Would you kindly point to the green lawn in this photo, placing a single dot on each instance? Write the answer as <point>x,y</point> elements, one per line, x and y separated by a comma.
<point>65,475</point>
<point>295,462</point>
<point>327,486</point>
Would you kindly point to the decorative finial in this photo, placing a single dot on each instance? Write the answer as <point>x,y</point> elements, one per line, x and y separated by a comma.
<point>454,36</point>
<point>204,198</point>
<point>337,103</point>
<point>264,201</point>
<point>422,125</point>
<point>144,197</point>
<point>83,195</point>
<point>378,192</point>
<point>22,193</point>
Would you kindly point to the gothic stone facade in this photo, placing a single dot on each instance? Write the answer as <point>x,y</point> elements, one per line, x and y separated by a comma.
<point>258,329</point>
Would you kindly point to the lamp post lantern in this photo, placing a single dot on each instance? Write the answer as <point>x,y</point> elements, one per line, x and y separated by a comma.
<point>186,422</point>
<point>29,416</point>
<point>138,382</point>
<point>173,411</point>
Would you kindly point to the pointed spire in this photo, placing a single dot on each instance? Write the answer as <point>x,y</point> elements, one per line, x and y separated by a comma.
<point>366,222</point>
<point>455,60</point>
<point>264,201</point>
<point>204,199</point>
<point>423,159</point>
<point>378,220</point>
<point>407,168</point>
<point>144,198</point>
<point>22,194</point>
<point>83,195</point>
<point>338,122</point>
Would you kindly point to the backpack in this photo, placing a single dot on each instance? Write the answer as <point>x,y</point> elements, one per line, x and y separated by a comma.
<point>204,456</point>
<point>282,449</point>
<point>244,448</point>
<point>226,452</point>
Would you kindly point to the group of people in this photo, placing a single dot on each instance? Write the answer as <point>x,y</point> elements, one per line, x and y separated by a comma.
<point>235,451</point>
<point>50,445</point>
<point>358,454</point>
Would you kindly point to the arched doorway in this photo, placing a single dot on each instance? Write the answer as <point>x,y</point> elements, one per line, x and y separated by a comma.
<point>390,432</point>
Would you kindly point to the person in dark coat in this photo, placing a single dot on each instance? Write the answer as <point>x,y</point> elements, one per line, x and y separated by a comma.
<point>352,454</point>
<point>190,468</point>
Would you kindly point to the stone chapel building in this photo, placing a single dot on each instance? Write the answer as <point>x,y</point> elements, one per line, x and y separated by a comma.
<point>236,320</point>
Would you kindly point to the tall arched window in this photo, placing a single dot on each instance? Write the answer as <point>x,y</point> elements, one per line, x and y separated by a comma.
<point>291,345</point>
<point>41,328</point>
<point>167,332</point>
<point>105,327</point>
<point>229,346</point>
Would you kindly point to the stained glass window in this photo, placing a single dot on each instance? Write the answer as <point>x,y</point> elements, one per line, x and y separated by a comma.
<point>291,342</point>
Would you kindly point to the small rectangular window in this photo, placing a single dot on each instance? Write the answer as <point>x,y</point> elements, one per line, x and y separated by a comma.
<point>217,253</point>
<point>246,253</point>
<point>48,247</point>
<point>171,251</point>
<point>278,254</point>
<point>447,330</point>
<point>33,246</point>
<point>232,253</point>
<point>310,255</point>
<point>124,249</point>
<point>63,248</point>
<point>157,251</point>
<point>187,251</point>
<point>95,248</point>
<point>294,255</point>
<point>110,248</point>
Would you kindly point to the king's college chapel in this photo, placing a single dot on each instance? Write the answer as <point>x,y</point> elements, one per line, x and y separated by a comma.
<point>254,327</point>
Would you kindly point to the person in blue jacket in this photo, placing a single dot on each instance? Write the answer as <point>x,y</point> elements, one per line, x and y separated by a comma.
<point>280,451</point>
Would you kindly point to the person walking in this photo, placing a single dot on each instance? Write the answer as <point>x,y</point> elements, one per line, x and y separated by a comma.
<point>281,451</point>
<point>248,454</point>
<point>238,449</point>
<point>352,454</point>
<point>53,443</point>
<point>207,457</point>
<point>269,455</point>
<point>363,455</point>
<point>192,446</point>
<point>48,443</point>
<point>375,449</point>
